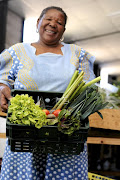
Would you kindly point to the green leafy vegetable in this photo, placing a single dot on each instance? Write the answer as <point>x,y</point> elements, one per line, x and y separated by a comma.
<point>77,111</point>
<point>66,123</point>
<point>23,110</point>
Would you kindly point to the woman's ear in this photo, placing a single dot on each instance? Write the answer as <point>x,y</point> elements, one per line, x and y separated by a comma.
<point>37,23</point>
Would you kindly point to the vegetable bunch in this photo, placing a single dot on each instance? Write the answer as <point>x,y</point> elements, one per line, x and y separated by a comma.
<point>78,101</point>
<point>77,111</point>
<point>23,110</point>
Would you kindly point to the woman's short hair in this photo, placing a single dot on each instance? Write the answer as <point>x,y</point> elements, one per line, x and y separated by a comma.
<point>53,7</point>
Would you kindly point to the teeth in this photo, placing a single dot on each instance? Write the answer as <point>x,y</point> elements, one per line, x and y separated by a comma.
<point>52,32</point>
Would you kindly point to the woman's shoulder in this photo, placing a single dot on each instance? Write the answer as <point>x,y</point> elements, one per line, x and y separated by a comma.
<point>18,45</point>
<point>74,47</point>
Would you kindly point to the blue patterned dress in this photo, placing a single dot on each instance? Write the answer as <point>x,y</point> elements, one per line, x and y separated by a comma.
<point>45,72</point>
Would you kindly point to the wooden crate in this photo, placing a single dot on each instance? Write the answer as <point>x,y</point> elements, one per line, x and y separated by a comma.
<point>111,119</point>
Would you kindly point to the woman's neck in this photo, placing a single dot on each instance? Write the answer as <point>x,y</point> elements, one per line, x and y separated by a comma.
<point>44,48</point>
<point>48,45</point>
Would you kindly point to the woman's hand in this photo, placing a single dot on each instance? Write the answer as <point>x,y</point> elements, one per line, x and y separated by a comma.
<point>5,95</point>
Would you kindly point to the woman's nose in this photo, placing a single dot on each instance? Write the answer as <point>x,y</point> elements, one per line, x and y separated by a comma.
<point>53,24</point>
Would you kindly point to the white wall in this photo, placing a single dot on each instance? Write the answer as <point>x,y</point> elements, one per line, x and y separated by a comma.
<point>29,32</point>
<point>13,29</point>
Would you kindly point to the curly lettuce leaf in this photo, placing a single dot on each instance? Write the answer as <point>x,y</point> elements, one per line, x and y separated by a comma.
<point>23,110</point>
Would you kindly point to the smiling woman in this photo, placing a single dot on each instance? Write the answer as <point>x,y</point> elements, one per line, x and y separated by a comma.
<point>51,27</point>
<point>45,65</point>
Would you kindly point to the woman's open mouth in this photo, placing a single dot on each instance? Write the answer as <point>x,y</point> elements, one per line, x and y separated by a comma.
<point>50,31</point>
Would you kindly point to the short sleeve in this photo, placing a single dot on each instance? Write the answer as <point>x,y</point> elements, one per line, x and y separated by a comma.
<point>6,62</point>
<point>86,62</point>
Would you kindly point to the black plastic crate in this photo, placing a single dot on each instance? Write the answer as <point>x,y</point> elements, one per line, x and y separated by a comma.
<point>48,139</point>
<point>52,147</point>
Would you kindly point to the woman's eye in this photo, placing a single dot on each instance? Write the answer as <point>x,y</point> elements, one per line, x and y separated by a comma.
<point>59,23</point>
<point>48,19</point>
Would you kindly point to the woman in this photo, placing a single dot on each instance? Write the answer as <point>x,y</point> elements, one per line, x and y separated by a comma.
<point>46,65</point>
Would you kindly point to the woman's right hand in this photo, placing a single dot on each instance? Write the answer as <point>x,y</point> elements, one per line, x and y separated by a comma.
<point>5,95</point>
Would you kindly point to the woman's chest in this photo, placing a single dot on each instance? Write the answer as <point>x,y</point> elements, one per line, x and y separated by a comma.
<point>55,68</point>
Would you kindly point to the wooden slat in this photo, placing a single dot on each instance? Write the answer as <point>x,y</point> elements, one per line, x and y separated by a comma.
<point>2,113</point>
<point>101,140</point>
<point>111,119</point>
<point>2,135</point>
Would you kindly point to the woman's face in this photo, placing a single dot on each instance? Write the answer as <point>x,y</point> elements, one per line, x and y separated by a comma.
<point>51,27</point>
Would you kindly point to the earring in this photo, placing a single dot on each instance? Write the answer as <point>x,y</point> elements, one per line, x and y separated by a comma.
<point>36,30</point>
<point>62,38</point>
